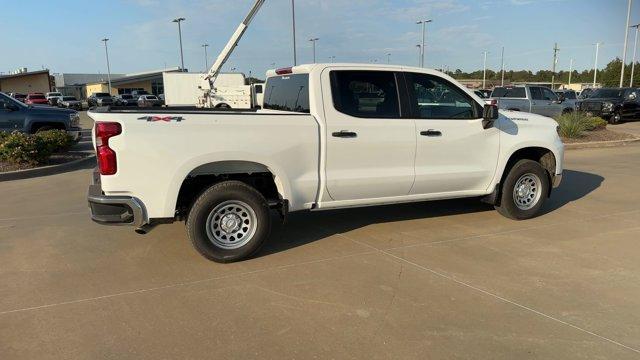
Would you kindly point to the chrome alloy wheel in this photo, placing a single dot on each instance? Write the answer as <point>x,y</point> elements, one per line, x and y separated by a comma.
<point>231,224</point>
<point>527,191</point>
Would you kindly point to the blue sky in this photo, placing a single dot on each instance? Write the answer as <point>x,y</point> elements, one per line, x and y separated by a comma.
<point>64,35</point>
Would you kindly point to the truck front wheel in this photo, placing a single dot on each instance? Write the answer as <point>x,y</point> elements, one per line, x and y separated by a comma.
<point>228,222</point>
<point>524,190</point>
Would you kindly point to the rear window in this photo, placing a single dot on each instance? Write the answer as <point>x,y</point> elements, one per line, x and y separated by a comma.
<point>607,93</point>
<point>516,92</point>
<point>151,97</point>
<point>102,95</point>
<point>36,97</point>
<point>68,98</point>
<point>287,93</point>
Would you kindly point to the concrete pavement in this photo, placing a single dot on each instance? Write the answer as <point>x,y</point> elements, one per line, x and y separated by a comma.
<point>440,280</point>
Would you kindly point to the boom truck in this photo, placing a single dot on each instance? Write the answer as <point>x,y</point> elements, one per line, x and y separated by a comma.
<point>329,136</point>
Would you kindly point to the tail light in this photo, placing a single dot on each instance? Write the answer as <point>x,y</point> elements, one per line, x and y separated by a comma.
<point>107,162</point>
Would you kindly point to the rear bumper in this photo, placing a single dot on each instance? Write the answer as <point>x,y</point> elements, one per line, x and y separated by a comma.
<point>115,210</point>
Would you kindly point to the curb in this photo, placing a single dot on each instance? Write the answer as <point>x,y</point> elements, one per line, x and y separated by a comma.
<point>49,170</point>
<point>599,144</point>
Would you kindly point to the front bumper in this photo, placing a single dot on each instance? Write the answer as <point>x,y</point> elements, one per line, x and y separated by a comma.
<point>76,133</point>
<point>115,210</point>
<point>557,179</point>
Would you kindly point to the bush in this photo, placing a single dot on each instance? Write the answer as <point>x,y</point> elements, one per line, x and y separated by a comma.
<point>56,140</point>
<point>596,123</point>
<point>20,148</point>
<point>573,124</point>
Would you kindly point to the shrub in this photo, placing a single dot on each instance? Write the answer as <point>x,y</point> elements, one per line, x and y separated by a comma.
<point>573,124</point>
<point>596,123</point>
<point>20,148</point>
<point>3,135</point>
<point>56,140</point>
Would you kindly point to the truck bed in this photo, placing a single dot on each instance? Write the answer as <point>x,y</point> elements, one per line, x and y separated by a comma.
<point>168,110</point>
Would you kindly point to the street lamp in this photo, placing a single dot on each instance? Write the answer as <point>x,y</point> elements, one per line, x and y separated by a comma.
<point>626,37</point>
<point>595,64</point>
<point>313,40</point>
<point>424,25</point>
<point>484,72</point>
<point>293,25</point>
<point>206,62</point>
<point>633,62</point>
<point>106,52</point>
<point>332,58</point>
<point>178,21</point>
<point>388,58</point>
<point>419,53</point>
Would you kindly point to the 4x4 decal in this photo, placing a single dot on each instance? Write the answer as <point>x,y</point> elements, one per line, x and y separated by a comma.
<point>161,118</point>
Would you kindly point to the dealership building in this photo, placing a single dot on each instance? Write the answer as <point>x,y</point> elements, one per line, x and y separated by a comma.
<point>25,82</point>
<point>150,81</point>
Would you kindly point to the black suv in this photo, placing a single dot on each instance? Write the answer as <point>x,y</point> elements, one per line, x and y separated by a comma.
<point>613,104</point>
<point>100,99</point>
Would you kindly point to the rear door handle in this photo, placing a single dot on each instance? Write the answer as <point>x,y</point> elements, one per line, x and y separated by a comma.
<point>431,132</point>
<point>344,134</point>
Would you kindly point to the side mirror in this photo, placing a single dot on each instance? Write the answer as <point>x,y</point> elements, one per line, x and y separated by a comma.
<point>561,98</point>
<point>489,115</point>
<point>632,96</point>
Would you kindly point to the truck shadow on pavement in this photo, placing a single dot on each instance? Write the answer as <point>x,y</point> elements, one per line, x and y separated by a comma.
<point>304,228</point>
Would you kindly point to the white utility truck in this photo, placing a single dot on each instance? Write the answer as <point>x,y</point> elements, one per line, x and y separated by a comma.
<point>181,89</point>
<point>329,136</point>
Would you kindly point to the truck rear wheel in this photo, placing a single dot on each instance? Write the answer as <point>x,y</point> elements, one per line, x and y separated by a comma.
<point>524,190</point>
<point>229,221</point>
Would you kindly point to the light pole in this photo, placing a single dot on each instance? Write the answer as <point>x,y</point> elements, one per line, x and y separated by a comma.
<point>293,24</point>
<point>332,58</point>
<point>555,61</point>
<point>388,58</point>
<point>178,21</point>
<point>484,72</point>
<point>570,70</point>
<point>313,40</point>
<point>419,53</point>
<point>106,52</point>
<point>206,62</point>
<point>633,62</point>
<point>626,37</point>
<point>595,64</point>
<point>424,25</point>
<point>502,68</point>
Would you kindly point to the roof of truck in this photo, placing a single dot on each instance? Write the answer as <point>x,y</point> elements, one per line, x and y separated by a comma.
<point>307,68</point>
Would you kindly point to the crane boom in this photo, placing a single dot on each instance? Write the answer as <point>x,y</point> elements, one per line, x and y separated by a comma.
<point>210,77</point>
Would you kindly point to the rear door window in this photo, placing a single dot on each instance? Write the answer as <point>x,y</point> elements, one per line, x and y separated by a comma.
<point>287,93</point>
<point>549,95</point>
<point>366,94</point>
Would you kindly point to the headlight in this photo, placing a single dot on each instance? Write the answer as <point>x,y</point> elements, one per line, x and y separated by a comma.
<point>74,119</point>
<point>607,106</point>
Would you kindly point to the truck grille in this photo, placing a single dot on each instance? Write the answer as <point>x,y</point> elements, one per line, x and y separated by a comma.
<point>591,106</point>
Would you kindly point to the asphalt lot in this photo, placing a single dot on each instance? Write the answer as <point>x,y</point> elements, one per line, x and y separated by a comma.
<point>440,280</point>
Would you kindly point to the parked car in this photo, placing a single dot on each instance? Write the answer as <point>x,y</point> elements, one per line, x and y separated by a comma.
<point>137,93</point>
<point>161,98</point>
<point>53,98</point>
<point>613,104</point>
<point>18,96</point>
<point>148,101</point>
<point>14,115</point>
<point>36,99</point>
<point>480,94</point>
<point>569,97</point>
<point>534,99</point>
<point>126,100</point>
<point>330,136</point>
<point>100,99</point>
<point>70,102</point>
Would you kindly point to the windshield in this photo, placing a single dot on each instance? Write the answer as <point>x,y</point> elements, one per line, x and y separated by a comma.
<point>38,97</point>
<point>607,93</point>
<point>55,94</point>
<point>151,97</point>
<point>102,95</point>
<point>126,97</point>
<point>68,98</point>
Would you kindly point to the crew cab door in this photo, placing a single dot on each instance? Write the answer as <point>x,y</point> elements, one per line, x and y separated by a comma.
<point>370,148</point>
<point>454,152</point>
<point>11,115</point>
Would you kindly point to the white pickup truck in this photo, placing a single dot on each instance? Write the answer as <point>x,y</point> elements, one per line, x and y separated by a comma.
<point>329,136</point>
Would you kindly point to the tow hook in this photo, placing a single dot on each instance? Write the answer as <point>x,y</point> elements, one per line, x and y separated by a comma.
<point>145,229</point>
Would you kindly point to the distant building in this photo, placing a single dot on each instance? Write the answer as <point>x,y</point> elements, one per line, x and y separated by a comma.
<point>75,84</point>
<point>477,83</point>
<point>150,81</point>
<point>25,82</point>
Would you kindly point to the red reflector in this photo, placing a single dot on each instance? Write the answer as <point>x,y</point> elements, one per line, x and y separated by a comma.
<point>107,162</point>
<point>283,71</point>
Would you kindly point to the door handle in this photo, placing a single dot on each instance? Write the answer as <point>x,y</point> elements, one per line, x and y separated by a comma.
<point>344,134</point>
<point>431,132</point>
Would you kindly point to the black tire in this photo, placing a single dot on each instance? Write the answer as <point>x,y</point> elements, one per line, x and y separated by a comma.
<point>202,211</point>
<point>507,206</point>
<point>614,119</point>
<point>223,106</point>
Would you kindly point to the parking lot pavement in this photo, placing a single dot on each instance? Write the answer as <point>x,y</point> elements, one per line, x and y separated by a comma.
<point>449,279</point>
